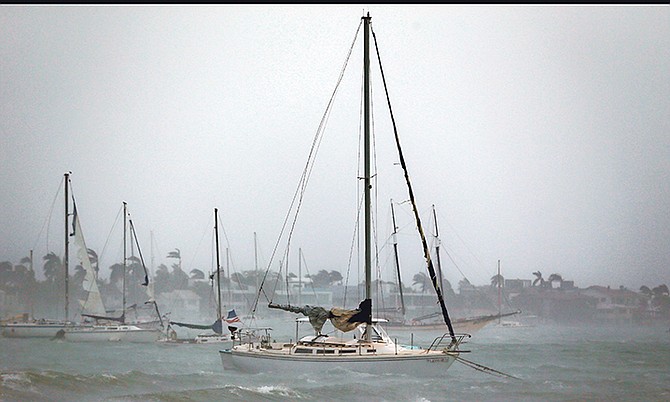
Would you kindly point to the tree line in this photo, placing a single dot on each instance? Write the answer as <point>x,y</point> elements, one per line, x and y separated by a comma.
<point>19,281</point>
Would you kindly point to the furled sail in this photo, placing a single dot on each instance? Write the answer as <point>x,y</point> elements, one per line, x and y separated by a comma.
<point>120,319</point>
<point>343,319</point>
<point>93,303</point>
<point>217,327</point>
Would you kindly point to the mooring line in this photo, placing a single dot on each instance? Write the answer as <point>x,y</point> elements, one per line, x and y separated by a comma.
<point>484,369</point>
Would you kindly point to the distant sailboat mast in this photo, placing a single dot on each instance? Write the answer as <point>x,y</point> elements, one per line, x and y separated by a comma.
<point>397,262</point>
<point>32,270</point>
<point>123,304</point>
<point>65,257</point>
<point>151,250</point>
<point>299,276</point>
<point>256,260</point>
<point>217,326</point>
<point>499,295</point>
<point>437,252</point>
<point>218,264</point>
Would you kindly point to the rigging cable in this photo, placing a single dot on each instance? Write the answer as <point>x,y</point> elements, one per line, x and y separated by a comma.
<point>302,183</point>
<point>47,221</point>
<point>429,262</point>
<point>109,235</point>
<point>146,274</point>
<point>483,369</point>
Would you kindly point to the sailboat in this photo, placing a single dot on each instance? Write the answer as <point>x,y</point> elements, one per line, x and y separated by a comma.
<point>506,323</point>
<point>49,328</point>
<point>371,349</point>
<point>431,321</point>
<point>116,329</point>
<point>216,335</point>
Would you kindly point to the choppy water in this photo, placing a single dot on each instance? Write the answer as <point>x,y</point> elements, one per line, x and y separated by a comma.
<point>552,364</point>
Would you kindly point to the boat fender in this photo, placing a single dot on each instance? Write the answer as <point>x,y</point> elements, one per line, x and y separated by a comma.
<point>59,335</point>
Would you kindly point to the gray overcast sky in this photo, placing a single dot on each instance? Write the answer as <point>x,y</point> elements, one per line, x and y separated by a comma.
<point>540,134</point>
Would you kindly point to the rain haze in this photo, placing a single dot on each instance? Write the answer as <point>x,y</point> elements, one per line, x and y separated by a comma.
<point>540,134</point>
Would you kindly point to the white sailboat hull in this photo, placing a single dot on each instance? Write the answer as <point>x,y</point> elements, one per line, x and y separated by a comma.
<point>223,341</point>
<point>122,333</point>
<point>220,339</point>
<point>415,363</point>
<point>379,355</point>
<point>34,330</point>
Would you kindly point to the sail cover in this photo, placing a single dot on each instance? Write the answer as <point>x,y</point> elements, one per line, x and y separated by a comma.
<point>217,327</point>
<point>347,320</point>
<point>343,319</point>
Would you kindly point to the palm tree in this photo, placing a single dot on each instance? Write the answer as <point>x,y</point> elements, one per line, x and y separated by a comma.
<point>79,274</point>
<point>422,280</point>
<point>52,266</point>
<point>646,291</point>
<point>464,284</point>
<point>175,254</point>
<point>179,277</point>
<point>274,277</point>
<point>162,281</point>
<point>78,281</point>
<point>162,269</point>
<point>27,261</point>
<point>335,276</point>
<point>660,290</point>
<point>6,273</point>
<point>554,278</point>
<point>24,282</point>
<point>93,256</point>
<point>117,273</point>
<point>134,290</point>
<point>30,275</point>
<point>23,273</point>
<point>136,269</point>
<point>239,279</point>
<point>447,290</point>
<point>538,279</point>
<point>197,274</point>
<point>321,279</point>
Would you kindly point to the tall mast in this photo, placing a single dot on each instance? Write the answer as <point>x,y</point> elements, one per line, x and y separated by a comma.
<point>218,264</point>
<point>437,251</point>
<point>366,168</point>
<point>67,244</point>
<point>256,260</point>
<point>123,305</point>
<point>499,301</point>
<point>151,233</point>
<point>32,271</point>
<point>299,276</point>
<point>397,261</point>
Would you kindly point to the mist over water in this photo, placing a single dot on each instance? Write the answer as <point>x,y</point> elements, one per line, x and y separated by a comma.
<point>551,362</point>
